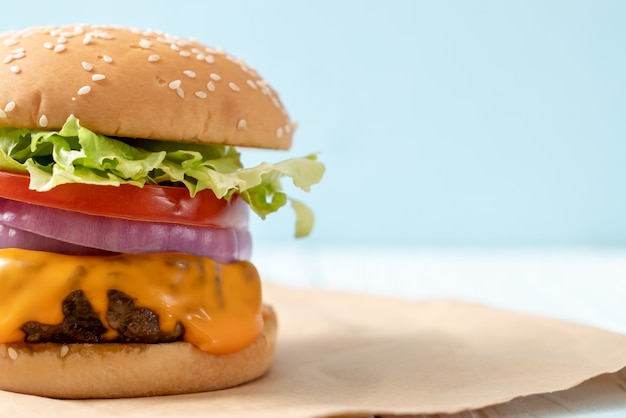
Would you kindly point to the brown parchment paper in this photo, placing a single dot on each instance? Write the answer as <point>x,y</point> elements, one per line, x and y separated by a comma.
<point>355,354</point>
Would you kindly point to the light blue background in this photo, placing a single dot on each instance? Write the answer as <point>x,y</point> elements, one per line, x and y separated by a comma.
<point>442,123</point>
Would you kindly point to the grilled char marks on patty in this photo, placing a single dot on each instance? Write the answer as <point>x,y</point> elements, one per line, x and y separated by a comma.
<point>137,325</point>
<point>81,324</point>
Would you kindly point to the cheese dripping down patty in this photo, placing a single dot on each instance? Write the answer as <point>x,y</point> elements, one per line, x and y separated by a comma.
<point>219,305</point>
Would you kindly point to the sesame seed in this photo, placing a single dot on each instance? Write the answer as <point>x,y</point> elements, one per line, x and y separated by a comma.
<point>175,47</point>
<point>18,55</point>
<point>10,42</point>
<point>251,84</point>
<point>201,94</point>
<point>180,92</point>
<point>64,350</point>
<point>185,54</point>
<point>189,73</point>
<point>86,66</point>
<point>55,32</point>
<point>107,59</point>
<point>215,77</point>
<point>8,59</point>
<point>233,86</point>
<point>9,107</point>
<point>210,86</point>
<point>15,69</point>
<point>210,59</point>
<point>48,45</point>
<point>98,77</point>
<point>242,124</point>
<point>200,57</point>
<point>288,128</point>
<point>84,90</point>
<point>144,43</point>
<point>12,353</point>
<point>3,115</point>
<point>101,35</point>
<point>175,84</point>
<point>62,39</point>
<point>59,48</point>
<point>43,121</point>
<point>276,102</point>
<point>153,58</point>
<point>279,132</point>
<point>86,40</point>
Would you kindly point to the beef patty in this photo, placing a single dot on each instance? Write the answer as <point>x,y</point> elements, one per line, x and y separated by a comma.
<point>81,324</point>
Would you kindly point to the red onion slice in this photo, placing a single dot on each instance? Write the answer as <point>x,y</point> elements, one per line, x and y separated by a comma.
<point>16,238</point>
<point>126,236</point>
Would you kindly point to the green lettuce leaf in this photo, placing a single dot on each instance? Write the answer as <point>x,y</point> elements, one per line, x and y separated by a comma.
<point>75,154</point>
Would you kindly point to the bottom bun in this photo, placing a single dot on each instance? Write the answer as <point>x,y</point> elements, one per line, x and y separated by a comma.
<point>111,370</point>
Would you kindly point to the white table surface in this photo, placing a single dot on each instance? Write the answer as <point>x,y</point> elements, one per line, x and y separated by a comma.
<point>586,286</point>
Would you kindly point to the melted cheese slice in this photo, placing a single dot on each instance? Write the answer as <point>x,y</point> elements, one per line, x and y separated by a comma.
<point>218,304</point>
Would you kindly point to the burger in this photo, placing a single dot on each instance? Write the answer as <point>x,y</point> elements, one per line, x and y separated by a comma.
<point>124,239</point>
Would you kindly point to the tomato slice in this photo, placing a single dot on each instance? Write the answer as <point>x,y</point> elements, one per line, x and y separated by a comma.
<point>151,203</point>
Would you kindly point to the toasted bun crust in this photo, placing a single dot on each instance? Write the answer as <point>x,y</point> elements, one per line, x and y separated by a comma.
<point>141,84</point>
<point>81,371</point>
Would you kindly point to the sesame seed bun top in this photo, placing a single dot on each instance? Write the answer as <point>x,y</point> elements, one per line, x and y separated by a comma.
<point>141,84</point>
